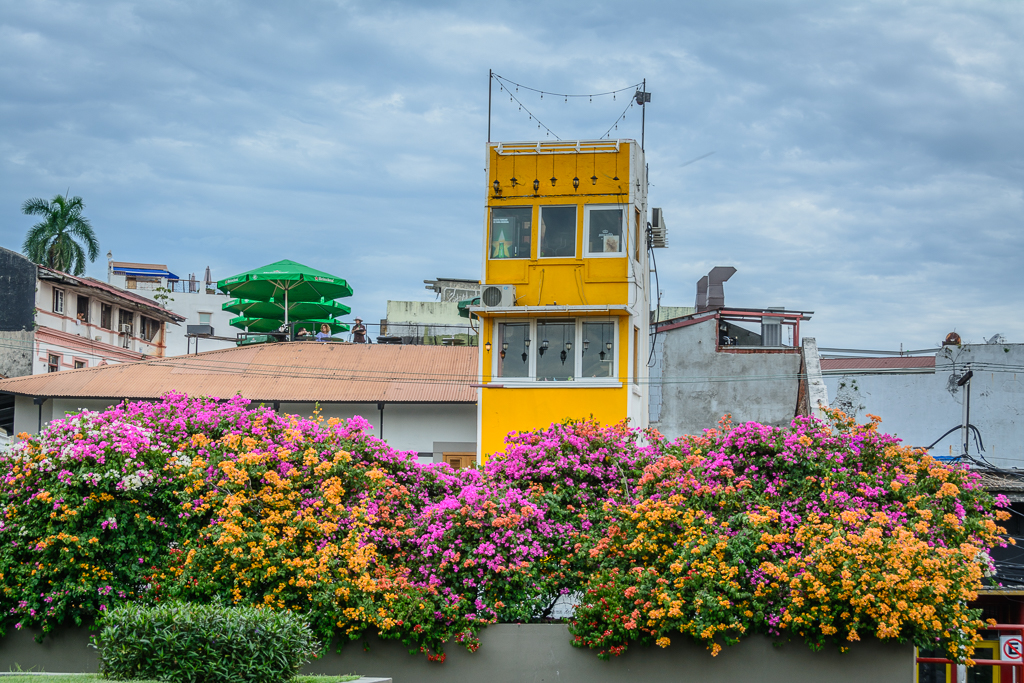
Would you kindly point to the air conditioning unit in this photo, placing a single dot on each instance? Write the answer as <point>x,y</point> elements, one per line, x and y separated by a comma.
<point>498,296</point>
<point>126,328</point>
<point>659,233</point>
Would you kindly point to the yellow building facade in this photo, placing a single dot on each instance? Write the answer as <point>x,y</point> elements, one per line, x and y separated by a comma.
<point>565,292</point>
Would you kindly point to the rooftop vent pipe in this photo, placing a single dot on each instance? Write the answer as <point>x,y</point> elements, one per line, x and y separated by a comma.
<point>711,289</point>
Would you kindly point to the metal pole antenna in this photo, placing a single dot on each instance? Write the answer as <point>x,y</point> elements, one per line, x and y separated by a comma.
<point>643,115</point>
<point>490,77</point>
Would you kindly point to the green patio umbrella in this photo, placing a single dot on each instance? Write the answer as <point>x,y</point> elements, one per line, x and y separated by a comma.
<point>273,324</point>
<point>287,280</point>
<point>297,310</point>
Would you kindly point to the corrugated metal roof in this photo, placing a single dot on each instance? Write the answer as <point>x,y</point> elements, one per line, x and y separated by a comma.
<point>291,372</point>
<point>883,363</point>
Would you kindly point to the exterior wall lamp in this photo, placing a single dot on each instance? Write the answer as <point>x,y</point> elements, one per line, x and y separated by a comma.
<point>497,186</point>
<point>593,180</point>
<point>536,185</point>
<point>488,347</point>
<point>553,179</point>
<point>575,183</point>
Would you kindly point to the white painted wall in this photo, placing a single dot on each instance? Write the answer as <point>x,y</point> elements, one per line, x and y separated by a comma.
<point>96,342</point>
<point>26,413</point>
<point>407,426</point>
<point>189,305</point>
<point>918,408</point>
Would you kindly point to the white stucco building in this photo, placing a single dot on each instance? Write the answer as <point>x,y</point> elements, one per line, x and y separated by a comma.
<point>195,299</point>
<point>919,399</point>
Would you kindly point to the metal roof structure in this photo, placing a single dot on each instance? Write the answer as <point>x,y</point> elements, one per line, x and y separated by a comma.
<point>294,372</point>
<point>870,366</point>
<point>154,309</point>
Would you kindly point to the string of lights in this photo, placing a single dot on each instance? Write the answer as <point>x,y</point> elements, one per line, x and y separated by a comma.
<point>533,117</point>
<point>507,82</point>
<point>616,124</point>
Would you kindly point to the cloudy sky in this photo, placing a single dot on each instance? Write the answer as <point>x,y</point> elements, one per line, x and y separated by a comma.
<point>867,157</point>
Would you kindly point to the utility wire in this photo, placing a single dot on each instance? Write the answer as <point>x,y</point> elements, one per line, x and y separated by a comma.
<point>506,81</point>
<point>540,124</point>
<point>615,125</point>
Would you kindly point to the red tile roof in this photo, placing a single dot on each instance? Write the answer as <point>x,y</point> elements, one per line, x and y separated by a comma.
<point>298,372</point>
<point>157,310</point>
<point>878,363</point>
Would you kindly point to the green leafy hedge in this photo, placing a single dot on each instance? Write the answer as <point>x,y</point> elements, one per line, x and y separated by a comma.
<point>188,643</point>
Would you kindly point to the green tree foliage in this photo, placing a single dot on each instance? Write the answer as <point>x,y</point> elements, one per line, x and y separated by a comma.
<point>64,237</point>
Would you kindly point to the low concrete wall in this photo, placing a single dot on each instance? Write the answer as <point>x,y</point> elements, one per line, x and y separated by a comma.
<point>539,653</point>
<point>64,651</point>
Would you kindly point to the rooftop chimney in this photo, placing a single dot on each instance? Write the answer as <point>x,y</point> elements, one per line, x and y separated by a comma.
<point>711,288</point>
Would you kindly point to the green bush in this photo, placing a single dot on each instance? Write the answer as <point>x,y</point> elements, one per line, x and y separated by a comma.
<point>188,643</point>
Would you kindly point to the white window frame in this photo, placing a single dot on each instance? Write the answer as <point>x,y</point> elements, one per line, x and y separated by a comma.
<point>58,293</point>
<point>540,223</point>
<point>623,234</point>
<point>531,379</point>
<point>209,317</point>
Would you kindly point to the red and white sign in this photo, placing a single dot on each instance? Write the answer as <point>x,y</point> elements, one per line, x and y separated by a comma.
<point>1011,648</point>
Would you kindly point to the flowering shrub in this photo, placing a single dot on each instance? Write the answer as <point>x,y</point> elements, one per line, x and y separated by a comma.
<point>823,532</point>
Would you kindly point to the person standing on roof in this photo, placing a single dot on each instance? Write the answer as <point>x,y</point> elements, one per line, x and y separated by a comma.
<point>359,332</point>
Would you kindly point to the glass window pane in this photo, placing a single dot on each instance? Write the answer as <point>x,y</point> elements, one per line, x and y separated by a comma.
<point>510,232</point>
<point>512,340</point>
<point>605,231</point>
<point>557,231</point>
<point>598,350</point>
<point>556,361</point>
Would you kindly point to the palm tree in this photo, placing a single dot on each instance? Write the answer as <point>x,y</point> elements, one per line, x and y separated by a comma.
<point>53,241</point>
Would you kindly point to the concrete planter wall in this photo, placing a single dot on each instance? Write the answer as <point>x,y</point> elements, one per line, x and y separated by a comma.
<point>538,653</point>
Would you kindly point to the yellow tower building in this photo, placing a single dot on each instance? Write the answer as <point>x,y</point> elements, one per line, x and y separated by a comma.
<point>565,293</point>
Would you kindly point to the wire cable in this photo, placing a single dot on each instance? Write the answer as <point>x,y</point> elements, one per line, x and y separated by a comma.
<point>507,81</point>
<point>616,124</point>
<point>540,124</point>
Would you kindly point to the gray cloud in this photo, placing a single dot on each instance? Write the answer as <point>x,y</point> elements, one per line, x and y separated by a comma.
<point>868,156</point>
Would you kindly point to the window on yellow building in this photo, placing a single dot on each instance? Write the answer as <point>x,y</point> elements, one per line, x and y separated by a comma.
<point>513,350</point>
<point>636,355</point>
<point>636,236</point>
<point>556,350</point>
<point>511,232</point>
<point>604,230</point>
<point>557,232</point>
<point>556,361</point>
<point>598,349</point>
